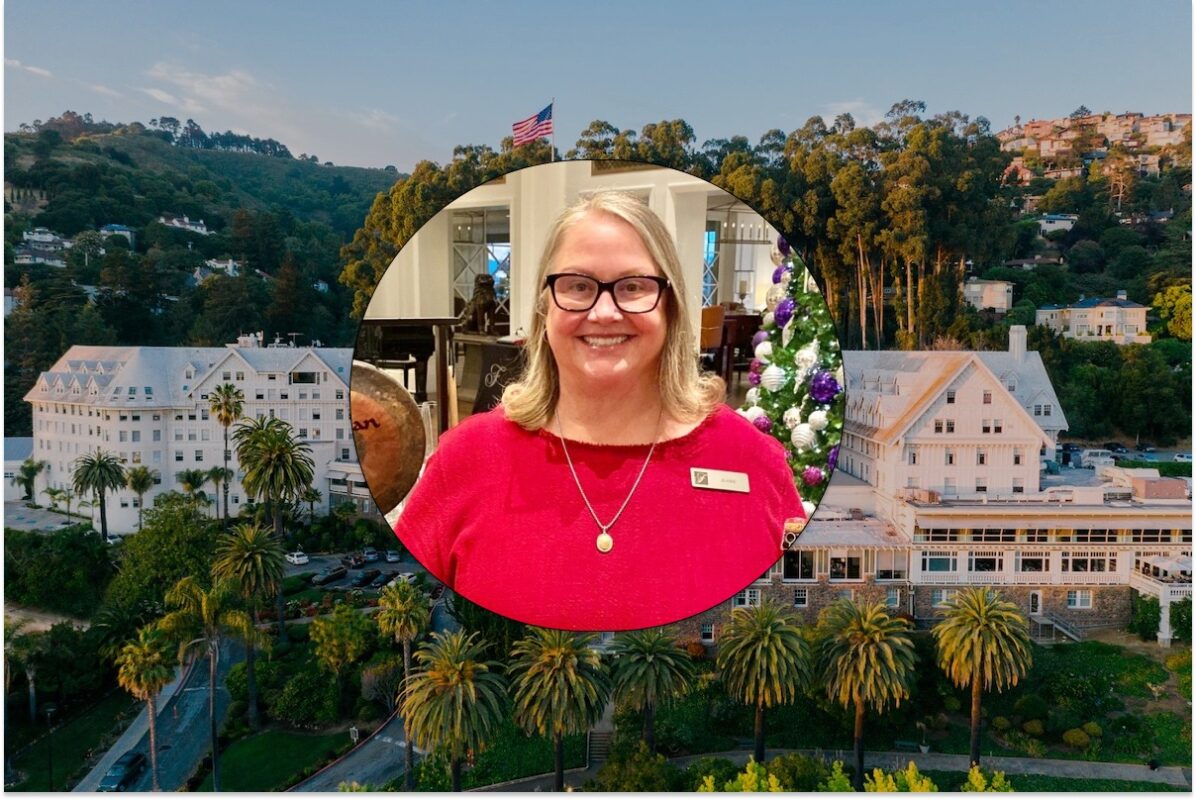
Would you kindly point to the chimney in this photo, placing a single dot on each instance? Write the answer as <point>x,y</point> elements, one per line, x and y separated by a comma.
<point>1121,295</point>
<point>1017,343</point>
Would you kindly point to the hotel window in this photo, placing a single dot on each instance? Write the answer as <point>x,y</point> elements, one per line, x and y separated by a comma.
<point>1017,457</point>
<point>199,455</point>
<point>938,426</point>
<point>981,458</point>
<point>997,426</point>
<point>801,597</point>
<point>123,436</point>
<point>1031,562</point>
<point>746,599</point>
<point>203,413</point>
<point>982,484</point>
<point>340,394</point>
<point>948,486</point>
<point>137,418</point>
<point>227,375</point>
<point>892,597</point>
<point>258,394</point>
<point>205,435</point>
<point>845,569</point>
<point>1046,409</point>
<point>158,460</point>
<point>951,396</point>
<point>240,376</point>
<point>1079,598</point>
<point>797,565</point>
<point>1038,409</point>
<point>707,632</point>
<point>340,433</point>
<point>949,458</point>
<point>1018,486</point>
<point>315,413</point>
<point>934,561</point>
<point>303,433</point>
<point>985,562</point>
<point>340,413</point>
<point>940,597</point>
<point>302,415</point>
<point>178,455</point>
<point>345,454</point>
<point>890,565</point>
<point>988,398</point>
<point>1088,562</point>
<point>986,426</point>
<point>913,456</point>
<point>135,437</point>
<point>950,426</point>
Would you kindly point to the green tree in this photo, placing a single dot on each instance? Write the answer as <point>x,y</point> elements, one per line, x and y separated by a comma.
<point>341,639</point>
<point>983,643</point>
<point>27,650</point>
<point>754,778</point>
<point>764,661</point>
<point>455,701</point>
<point>192,481</point>
<point>254,559</point>
<point>198,621</point>
<point>140,480</point>
<point>979,782</point>
<point>867,661</point>
<point>143,668</point>
<point>1174,305</point>
<point>559,687</point>
<point>403,614</point>
<point>650,670</point>
<point>26,476</point>
<point>311,495</point>
<point>99,473</point>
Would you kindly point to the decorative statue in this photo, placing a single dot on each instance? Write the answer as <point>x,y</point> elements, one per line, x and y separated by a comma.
<point>479,312</point>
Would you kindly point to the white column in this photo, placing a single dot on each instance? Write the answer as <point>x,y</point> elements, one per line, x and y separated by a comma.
<point>1165,618</point>
<point>684,214</point>
<point>419,281</point>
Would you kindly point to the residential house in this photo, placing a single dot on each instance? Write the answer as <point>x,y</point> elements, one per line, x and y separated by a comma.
<point>1098,319</point>
<point>994,295</point>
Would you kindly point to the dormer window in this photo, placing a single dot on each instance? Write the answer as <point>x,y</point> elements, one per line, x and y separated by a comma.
<point>189,374</point>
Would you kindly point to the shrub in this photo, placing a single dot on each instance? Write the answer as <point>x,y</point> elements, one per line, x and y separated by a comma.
<point>696,649</point>
<point>795,772</point>
<point>1092,729</point>
<point>1076,738</point>
<point>308,699</point>
<point>1001,723</point>
<point>1145,617</point>
<point>302,633</point>
<point>1181,622</point>
<point>1062,719</point>
<point>237,683</point>
<point>643,771</point>
<point>952,704</point>
<point>1034,727</point>
<point>296,583</point>
<point>720,769</point>
<point>1031,706</point>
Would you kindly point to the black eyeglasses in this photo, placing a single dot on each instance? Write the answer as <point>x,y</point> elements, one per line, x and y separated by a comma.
<point>635,294</point>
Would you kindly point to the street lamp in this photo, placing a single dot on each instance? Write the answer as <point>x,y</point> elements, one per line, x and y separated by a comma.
<point>49,710</point>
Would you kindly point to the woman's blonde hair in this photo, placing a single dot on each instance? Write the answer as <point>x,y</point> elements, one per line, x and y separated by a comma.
<point>688,394</point>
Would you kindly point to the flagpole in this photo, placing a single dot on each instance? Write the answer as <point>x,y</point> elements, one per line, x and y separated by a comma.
<point>552,152</point>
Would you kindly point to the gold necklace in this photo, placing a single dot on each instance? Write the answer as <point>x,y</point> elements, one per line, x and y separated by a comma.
<point>605,542</point>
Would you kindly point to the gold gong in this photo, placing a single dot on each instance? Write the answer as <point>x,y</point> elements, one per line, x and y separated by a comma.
<point>388,432</point>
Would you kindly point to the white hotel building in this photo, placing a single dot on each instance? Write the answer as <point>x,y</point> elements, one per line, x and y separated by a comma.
<point>939,486</point>
<point>149,406</point>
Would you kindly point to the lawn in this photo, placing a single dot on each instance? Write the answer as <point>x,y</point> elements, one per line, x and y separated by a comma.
<point>73,742</point>
<point>951,781</point>
<point>266,761</point>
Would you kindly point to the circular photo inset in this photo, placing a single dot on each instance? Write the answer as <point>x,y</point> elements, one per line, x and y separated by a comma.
<point>597,395</point>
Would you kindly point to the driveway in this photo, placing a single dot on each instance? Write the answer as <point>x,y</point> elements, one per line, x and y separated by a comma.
<point>17,516</point>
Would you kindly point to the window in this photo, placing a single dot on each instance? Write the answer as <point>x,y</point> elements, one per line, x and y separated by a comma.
<point>1088,561</point>
<point>303,433</point>
<point>892,597</point>
<point>707,632</point>
<point>236,499</point>
<point>1032,562</point>
<point>136,436</point>
<point>178,434</point>
<point>1046,409</point>
<point>981,561</point>
<point>1018,486</point>
<point>938,426</point>
<point>258,394</point>
<point>987,398</point>
<point>940,597</point>
<point>137,418</point>
<point>949,458</point>
<point>950,426</point>
<point>986,426</point>
<point>997,427</point>
<point>345,454</point>
<point>797,565</point>
<point>746,598</point>
<point>178,455</point>
<point>948,486</point>
<point>123,436</point>
<point>315,413</point>
<point>1038,409</point>
<point>913,456</point>
<point>1017,457</point>
<point>845,568</point>
<point>1079,598</point>
<point>801,597</point>
<point>981,458</point>
<point>340,394</point>
<point>203,413</point>
<point>340,433</point>
<point>285,395</point>
<point>890,565</point>
<point>191,416</point>
<point>982,484</point>
<point>227,375</point>
<point>933,561</point>
<point>951,397</point>
<point>199,455</point>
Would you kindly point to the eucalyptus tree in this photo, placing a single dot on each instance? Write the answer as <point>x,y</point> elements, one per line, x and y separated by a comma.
<point>99,473</point>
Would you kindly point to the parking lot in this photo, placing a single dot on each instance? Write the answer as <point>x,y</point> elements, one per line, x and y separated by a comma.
<point>17,516</point>
<point>318,562</point>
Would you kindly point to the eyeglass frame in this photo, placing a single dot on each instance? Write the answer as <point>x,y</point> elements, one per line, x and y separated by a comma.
<point>606,286</point>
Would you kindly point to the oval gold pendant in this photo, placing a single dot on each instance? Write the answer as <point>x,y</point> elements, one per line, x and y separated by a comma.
<point>604,543</point>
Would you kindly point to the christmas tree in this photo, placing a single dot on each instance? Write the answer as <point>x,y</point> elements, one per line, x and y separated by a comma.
<point>797,376</point>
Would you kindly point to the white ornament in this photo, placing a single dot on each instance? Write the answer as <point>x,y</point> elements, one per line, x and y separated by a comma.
<point>818,420</point>
<point>775,256</point>
<point>803,437</point>
<point>807,357</point>
<point>769,321</point>
<point>839,375</point>
<point>764,351</point>
<point>753,413</point>
<point>775,295</point>
<point>753,396</point>
<point>792,418</point>
<point>787,333</point>
<point>773,378</point>
<point>786,279</point>
<point>808,507</point>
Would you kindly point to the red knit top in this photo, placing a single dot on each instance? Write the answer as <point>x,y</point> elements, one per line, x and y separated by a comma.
<point>498,518</point>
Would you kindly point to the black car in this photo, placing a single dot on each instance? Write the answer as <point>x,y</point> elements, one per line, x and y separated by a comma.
<point>329,574</point>
<point>1071,447</point>
<point>364,578</point>
<point>1115,447</point>
<point>122,774</point>
<point>382,580</point>
<point>1145,447</point>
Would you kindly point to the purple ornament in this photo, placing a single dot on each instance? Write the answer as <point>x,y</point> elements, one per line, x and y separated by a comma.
<point>784,311</point>
<point>832,458</point>
<point>824,387</point>
<point>754,378</point>
<point>778,273</point>
<point>755,366</point>
<point>763,424</point>
<point>783,246</point>
<point>812,476</point>
<point>760,336</point>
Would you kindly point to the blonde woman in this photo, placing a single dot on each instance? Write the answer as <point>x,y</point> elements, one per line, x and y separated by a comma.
<point>612,489</point>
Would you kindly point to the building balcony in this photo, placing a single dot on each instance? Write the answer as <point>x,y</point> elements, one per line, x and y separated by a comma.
<point>1166,589</point>
<point>1018,579</point>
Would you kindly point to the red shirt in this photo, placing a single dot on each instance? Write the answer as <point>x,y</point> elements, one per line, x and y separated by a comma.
<point>498,518</point>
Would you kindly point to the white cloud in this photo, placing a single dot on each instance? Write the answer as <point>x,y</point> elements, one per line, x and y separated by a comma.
<point>375,119</point>
<point>864,114</point>
<point>228,91</point>
<point>38,71</point>
<point>161,96</point>
<point>100,88</point>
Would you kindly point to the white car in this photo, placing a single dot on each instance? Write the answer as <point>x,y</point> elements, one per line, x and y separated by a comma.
<point>403,577</point>
<point>298,557</point>
<point>1185,458</point>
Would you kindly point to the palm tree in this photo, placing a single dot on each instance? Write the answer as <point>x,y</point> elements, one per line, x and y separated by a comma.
<point>220,476</point>
<point>455,700</point>
<point>984,643</point>
<point>403,613</point>
<point>142,671</point>
<point>277,467</point>
<point>560,687</point>
<point>650,670</point>
<point>311,496</point>
<point>199,619</point>
<point>764,661</point>
<point>27,649</point>
<point>54,496</point>
<point>192,481</point>
<point>226,403</point>
<point>26,476</point>
<point>99,473</point>
<point>140,480</point>
<point>249,555</point>
<point>867,662</point>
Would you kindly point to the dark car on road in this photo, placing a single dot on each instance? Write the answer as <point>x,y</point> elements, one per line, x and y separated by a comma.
<point>353,560</point>
<point>1115,447</point>
<point>382,580</point>
<point>1145,447</point>
<point>364,578</point>
<point>122,774</point>
<point>329,574</point>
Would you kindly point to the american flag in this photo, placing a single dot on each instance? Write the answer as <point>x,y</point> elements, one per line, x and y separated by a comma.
<point>532,128</point>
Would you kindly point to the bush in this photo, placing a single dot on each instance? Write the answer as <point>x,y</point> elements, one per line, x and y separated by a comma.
<point>1062,719</point>
<point>1092,729</point>
<point>1001,723</point>
<point>720,769</point>
<point>1145,617</point>
<point>1034,727</point>
<point>64,570</point>
<point>643,771</point>
<point>951,704</point>
<point>308,700</point>
<point>1031,706</point>
<point>1076,738</point>
<point>237,682</point>
<point>696,650</point>
<point>1181,622</point>
<point>797,773</point>
<point>296,583</point>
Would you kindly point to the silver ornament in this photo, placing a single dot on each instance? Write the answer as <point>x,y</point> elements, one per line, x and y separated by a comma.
<point>753,413</point>
<point>806,357</point>
<point>787,333</point>
<point>803,437</point>
<point>808,507</point>
<point>775,256</point>
<point>792,418</point>
<point>764,351</point>
<point>773,378</point>
<point>753,396</point>
<point>818,420</point>
<point>786,279</point>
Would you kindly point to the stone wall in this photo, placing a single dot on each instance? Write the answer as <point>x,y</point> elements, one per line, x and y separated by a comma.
<point>1110,604</point>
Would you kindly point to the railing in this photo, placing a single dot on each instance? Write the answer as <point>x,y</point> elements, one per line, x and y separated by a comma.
<point>1020,578</point>
<point>1164,590</point>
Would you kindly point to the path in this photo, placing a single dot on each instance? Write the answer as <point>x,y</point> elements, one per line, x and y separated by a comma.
<point>375,761</point>
<point>36,620</point>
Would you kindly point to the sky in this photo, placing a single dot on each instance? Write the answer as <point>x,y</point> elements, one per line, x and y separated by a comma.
<point>378,83</point>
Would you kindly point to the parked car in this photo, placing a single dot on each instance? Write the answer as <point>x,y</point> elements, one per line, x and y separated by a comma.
<point>120,776</point>
<point>1071,447</point>
<point>353,560</point>
<point>1115,447</point>
<point>1184,458</point>
<point>1145,447</point>
<point>364,578</point>
<point>383,579</point>
<point>393,557</point>
<point>329,574</point>
<point>404,577</point>
<point>298,557</point>
<point>370,555</point>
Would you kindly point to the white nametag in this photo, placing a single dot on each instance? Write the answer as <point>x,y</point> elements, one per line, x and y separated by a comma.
<point>719,480</point>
